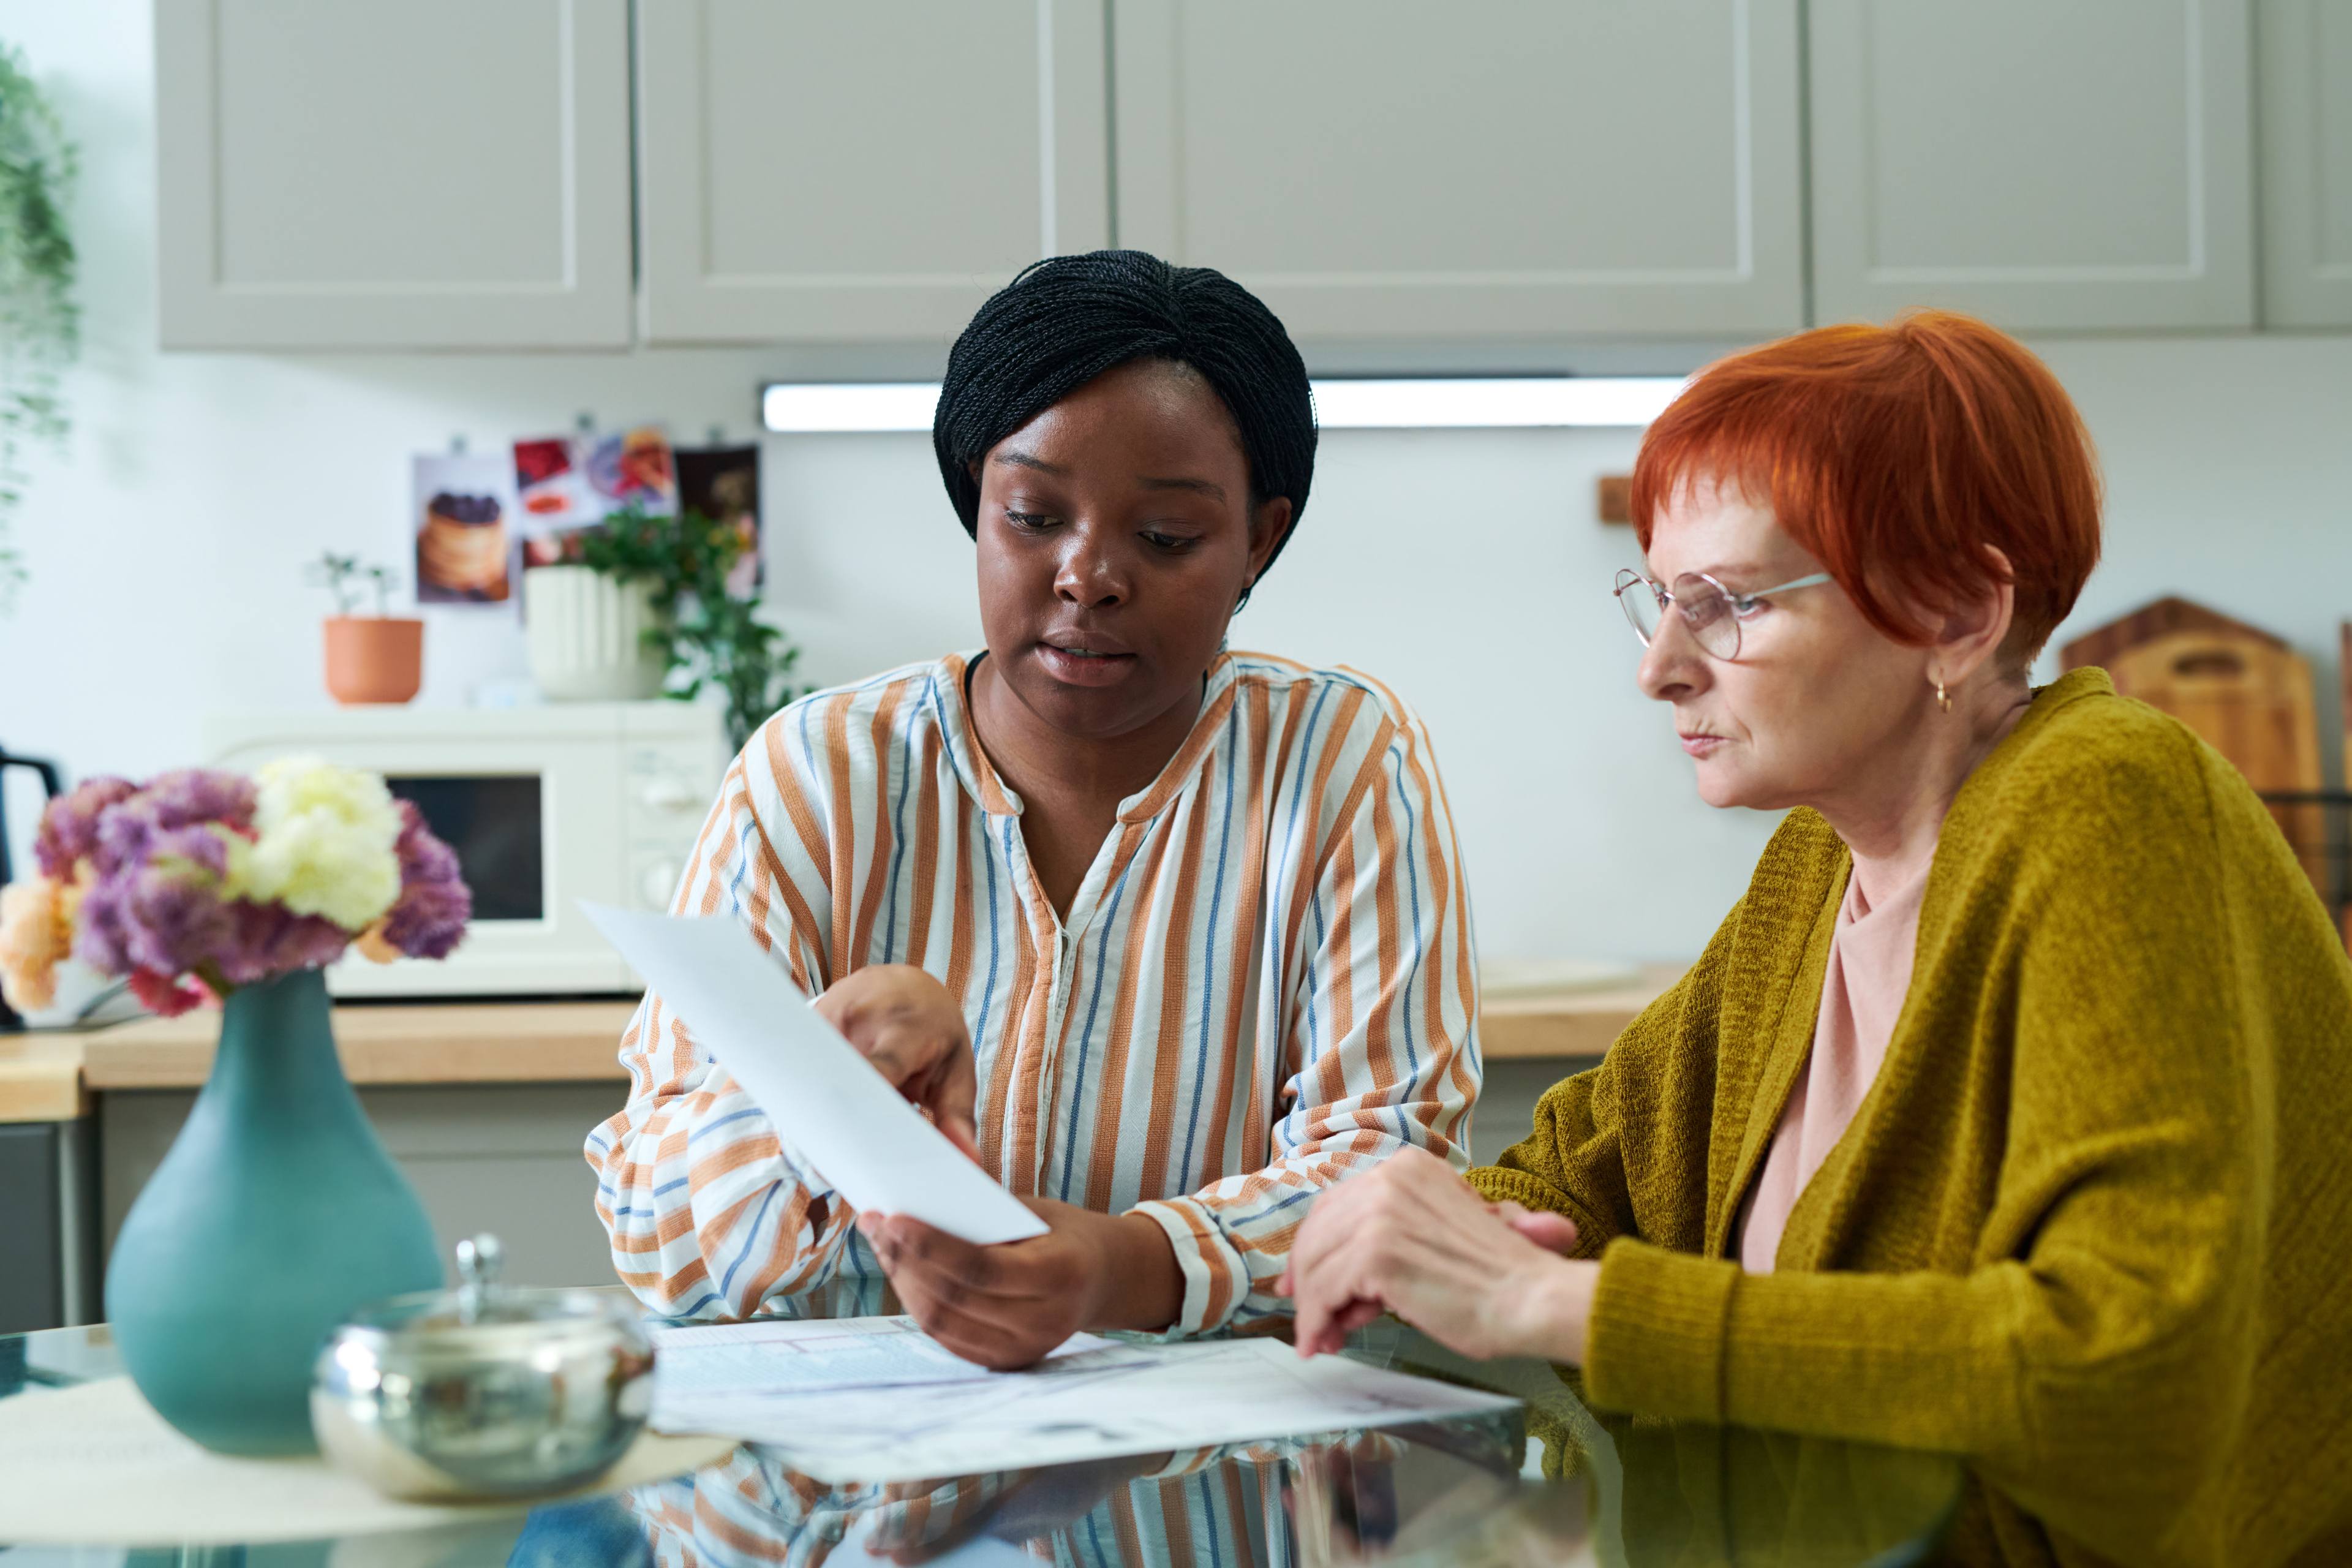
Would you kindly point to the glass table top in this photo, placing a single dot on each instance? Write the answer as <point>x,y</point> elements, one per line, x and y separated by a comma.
<point>1550,1482</point>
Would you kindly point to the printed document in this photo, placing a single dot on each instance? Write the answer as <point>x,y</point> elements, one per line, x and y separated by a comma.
<point>875,1400</point>
<point>826,1101</point>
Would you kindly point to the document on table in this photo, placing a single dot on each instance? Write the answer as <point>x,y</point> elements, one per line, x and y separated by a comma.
<point>826,1100</point>
<point>873,1399</point>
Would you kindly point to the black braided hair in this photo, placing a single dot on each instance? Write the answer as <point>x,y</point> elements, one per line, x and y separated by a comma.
<point>1066,319</point>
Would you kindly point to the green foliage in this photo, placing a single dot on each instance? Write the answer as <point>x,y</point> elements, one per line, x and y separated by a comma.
<point>339,575</point>
<point>40,327</point>
<point>706,634</point>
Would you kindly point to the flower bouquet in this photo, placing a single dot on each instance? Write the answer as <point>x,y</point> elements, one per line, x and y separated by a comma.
<point>277,1212</point>
<point>199,882</point>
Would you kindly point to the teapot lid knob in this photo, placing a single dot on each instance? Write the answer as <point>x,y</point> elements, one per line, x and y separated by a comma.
<point>479,1258</point>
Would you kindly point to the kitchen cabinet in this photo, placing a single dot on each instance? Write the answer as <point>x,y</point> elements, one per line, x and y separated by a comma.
<point>1378,169</point>
<point>2306,169</point>
<point>820,173</point>
<point>437,173</point>
<point>2087,166</point>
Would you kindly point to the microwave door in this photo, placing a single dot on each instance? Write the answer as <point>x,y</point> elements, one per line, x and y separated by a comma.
<point>496,825</point>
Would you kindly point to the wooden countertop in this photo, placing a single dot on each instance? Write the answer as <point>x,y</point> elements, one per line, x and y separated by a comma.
<point>40,1077</point>
<point>390,1043</point>
<point>49,1077</point>
<point>1568,1023</point>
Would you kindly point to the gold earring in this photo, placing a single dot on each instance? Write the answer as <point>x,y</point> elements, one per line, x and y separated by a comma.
<point>1941,700</point>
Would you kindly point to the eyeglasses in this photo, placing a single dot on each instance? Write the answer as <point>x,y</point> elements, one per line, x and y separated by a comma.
<point>1711,611</point>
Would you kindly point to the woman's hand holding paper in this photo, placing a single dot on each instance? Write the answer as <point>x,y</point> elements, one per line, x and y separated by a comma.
<point>905,1023</point>
<point>1411,1237</point>
<point>1009,1305</point>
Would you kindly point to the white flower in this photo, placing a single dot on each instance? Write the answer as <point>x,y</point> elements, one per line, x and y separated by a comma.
<point>324,844</point>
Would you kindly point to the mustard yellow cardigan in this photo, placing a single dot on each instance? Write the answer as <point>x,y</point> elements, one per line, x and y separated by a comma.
<point>2091,1227</point>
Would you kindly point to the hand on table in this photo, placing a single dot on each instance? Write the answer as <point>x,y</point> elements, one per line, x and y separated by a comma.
<point>907,1024</point>
<point>1006,1306</point>
<point>1411,1237</point>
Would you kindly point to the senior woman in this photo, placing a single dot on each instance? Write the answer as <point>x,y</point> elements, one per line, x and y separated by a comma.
<point>1167,937</point>
<point>2004,1115</point>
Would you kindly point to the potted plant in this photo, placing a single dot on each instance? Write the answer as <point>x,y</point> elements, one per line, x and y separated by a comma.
<point>277,1212</point>
<point>370,658</point>
<point>704,636</point>
<point>39,323</point>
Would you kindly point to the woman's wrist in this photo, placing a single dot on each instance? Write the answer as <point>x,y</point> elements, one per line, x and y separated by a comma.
<point>1551,1310</point>
<point>1138,1283</point>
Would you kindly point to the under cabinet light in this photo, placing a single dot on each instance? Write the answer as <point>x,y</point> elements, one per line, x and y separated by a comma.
<point>1344,402</point>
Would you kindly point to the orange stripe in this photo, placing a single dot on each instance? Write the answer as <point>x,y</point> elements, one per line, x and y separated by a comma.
<point>1331,1072</point>
<point>1176,953</point>
<point>1110,1077</point>
<point>1465,973</point>
<point>1175,1521</point>
<point>877,864</point>
<point>927,852</point>
<point>1019,999</point>
<point>1122,1524</point>
<point>1247,924</point>
<point>1041,935</point>
<point>1243,1553</point>
<point>1377,1027</point>
<point>959,980</point>
<point>841,877</point>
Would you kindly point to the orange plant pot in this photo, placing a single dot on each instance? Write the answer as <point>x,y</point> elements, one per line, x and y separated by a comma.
<point>375,658</point>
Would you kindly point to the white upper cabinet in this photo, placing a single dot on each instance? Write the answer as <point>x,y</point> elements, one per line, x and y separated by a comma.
<point>2306,91</point>
<point>1395,169</point>
<point>814,171</point>
<point>2083,164</point>
<point>435,173</point>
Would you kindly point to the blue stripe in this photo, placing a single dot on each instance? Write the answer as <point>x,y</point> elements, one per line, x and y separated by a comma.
<point>699,1302</point>
<point>1314,1029</point>
<point>1412,878</point>
<point>1209,1522</point>
<point>694,1136</point>
<point>1093,1001</point>
<point>1208,943</point>
<point>1094,1536</point>
<point>980,1030</point>
<point>751,1235</point>
<point>899,833</point>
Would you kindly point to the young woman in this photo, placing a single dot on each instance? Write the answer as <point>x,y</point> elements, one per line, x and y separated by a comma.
<point>1167,937</point>
<point>2004,1115</point>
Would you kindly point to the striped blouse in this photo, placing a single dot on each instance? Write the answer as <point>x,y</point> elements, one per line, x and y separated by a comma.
<point>1265,980</point>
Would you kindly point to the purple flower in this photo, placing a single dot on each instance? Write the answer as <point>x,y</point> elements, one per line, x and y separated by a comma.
<point>68,830</point>
<point>167,915</point>
<point>429,918</point>
<point>266,940</point>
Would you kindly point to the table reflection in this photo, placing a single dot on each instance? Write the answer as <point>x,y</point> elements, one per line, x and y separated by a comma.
<point>1548,1482</point>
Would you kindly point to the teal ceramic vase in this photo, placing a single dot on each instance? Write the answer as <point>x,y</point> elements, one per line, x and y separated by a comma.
<point>276,1214</point>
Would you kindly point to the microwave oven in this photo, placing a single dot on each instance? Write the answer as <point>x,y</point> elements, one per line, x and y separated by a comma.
<point>545,807</point>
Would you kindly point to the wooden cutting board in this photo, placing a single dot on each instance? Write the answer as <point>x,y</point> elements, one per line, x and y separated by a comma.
<point>2252,698</point>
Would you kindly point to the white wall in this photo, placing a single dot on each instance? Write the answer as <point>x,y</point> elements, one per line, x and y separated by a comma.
<point>1464,568</point>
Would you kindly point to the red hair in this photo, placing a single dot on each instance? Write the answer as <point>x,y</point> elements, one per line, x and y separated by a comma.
<point>1898,457</point>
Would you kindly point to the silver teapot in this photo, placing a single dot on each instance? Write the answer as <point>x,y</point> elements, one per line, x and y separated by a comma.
<point>486,1391</point>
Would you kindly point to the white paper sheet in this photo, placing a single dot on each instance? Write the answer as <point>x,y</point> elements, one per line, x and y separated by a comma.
<point>826,1100</point>
<point>1101,1403</point>
<point>779,1356</point>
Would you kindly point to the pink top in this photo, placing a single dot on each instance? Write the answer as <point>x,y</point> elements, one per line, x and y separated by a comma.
<point>1861,995</point>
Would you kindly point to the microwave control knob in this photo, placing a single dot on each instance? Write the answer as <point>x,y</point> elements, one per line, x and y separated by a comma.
<point>659,884</point>
<point>667,792</point>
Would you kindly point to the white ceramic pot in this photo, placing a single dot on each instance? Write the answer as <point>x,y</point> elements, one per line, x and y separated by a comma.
<point>586,636</point>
